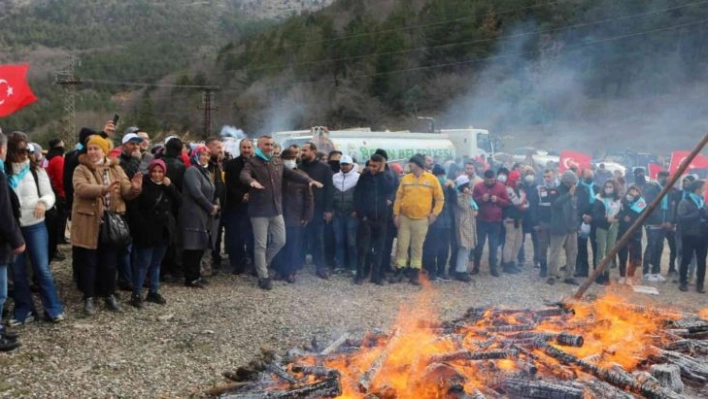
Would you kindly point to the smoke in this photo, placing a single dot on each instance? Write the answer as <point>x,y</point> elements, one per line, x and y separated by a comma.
<point>232,131</point>
<point>601,87</point>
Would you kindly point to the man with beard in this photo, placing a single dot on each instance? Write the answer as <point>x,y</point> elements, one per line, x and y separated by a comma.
<point>239,233</point>
<point>491,197</point>
<point>212,259</point>
<point>314,232</point>
<point>333,161</point>
<point>145,156</point>
<point>56,221</point>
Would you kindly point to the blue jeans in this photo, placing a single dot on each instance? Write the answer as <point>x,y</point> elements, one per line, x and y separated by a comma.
<point>147,259</point>
<point>3,290</point>
<point>125,266</point>
<point>37,240</point>
<point>487,231</point>
<point>345,229</point>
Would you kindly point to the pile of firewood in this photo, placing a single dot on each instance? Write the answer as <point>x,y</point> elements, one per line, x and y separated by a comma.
<point>536,363</point>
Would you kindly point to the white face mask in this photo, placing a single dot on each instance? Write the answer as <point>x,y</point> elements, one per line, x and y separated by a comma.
<point>290,163</point>
<point>530,179</point>
<point>501,178</point>
<point>629,197</point>
<point>609,191</point>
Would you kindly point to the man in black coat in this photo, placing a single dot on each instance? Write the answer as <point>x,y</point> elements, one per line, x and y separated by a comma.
<point>324,197</point>
<point>171,269</point>
<point>239,232</point>
<point>11,244</point>
<point>586,193</point>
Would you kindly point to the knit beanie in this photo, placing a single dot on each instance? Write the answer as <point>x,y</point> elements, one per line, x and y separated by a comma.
<point>419,160</point>
<point>382,152</point>
<point>102,143</point>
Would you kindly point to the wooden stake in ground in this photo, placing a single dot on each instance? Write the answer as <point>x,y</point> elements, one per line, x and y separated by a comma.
<point>640,220</point>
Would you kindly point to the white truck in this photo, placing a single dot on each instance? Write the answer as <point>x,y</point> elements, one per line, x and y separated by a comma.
<point>360,143</point>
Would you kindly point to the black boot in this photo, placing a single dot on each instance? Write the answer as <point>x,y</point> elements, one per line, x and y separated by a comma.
<point>475,269</point>
<point>415,276</point>
<point>398,276</point>
<point>7,344</point>
<point>544,269</point>
<point>493,271</point>
<point>510,268</point>
<point>112,304</point>
<point>462,276</point>
<point>265,284</point>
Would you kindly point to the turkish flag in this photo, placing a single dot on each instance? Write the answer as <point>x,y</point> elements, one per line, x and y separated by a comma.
<point>569,159</point>
<point>654,170</point>
<point>15,92</point>
<point>678,157</point>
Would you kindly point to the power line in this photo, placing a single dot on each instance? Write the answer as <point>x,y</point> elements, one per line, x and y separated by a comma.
<point>514,36</point>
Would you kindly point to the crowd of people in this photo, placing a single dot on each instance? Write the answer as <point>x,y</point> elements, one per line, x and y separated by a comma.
<point>269,207</point>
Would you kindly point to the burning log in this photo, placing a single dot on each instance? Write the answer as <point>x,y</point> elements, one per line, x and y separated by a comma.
<point>614,377</point>
<point>689,346</point>
<point>511,328</point>
<point>692,326</point>
<point>316,371</point>
<point>335,345</point>
<point>564,339</point>
<point>467,355</point>
<point>330,387</point>
<point>690,368</point>
<point>601,389</point>
<point>519,388</point>
<point>368,378</point>
<point>281,373</point>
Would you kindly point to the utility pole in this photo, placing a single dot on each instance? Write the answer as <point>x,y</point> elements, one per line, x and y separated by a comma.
<point>67,79</point>
<point>207,106</point>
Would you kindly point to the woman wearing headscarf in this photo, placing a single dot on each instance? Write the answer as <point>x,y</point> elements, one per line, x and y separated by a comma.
<point>152,227</point>
<point>196,216</point>
<point>465,211</point>
<point>30,184</point>
<point>100,185</point>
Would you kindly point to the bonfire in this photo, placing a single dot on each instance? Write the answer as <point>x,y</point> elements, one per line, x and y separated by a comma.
<point>605,348</point>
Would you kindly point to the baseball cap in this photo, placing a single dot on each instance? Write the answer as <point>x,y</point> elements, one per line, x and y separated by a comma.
<point>132,137</point>
<point>346,160</point>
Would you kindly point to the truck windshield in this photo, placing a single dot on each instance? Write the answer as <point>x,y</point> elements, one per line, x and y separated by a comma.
<point>483,143</point>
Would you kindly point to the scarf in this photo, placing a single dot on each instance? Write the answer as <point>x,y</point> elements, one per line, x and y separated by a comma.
<point>591,190</point>
<point>2,166</point>
<point>16,178</point>
<point>639,205</point>
<point>612,207</point>
<point>700,202</point>
<point>473,204</point>
<point>262,156</point>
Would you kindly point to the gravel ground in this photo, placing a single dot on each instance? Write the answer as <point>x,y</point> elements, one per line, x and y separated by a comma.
<point>181,349</point>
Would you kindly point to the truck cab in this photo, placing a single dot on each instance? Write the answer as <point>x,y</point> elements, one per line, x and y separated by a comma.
<point>471,143</point>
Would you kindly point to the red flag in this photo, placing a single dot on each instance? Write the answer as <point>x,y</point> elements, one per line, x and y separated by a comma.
<point>569,159</point>
<point>678,157</point>
<point>654,170</point>
<point>15,92</point>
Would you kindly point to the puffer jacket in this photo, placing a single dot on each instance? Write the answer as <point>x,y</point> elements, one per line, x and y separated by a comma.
<point>28,194</point>
<point>692,219</point>
<point>344,187</point>
<point>372,193</point>
<point>88,206</point>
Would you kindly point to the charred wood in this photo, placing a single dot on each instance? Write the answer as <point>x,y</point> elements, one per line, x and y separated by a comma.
<point>467,355</point>
<point>690,368</point>
<point>522,388</point>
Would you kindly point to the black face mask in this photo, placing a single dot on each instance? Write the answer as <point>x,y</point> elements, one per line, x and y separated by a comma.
<point>334,165</point>
<point>589,180</point>
<point>640,179</point>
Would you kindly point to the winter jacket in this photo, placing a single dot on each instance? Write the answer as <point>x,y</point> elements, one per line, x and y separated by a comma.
<point>530,218</point>
<point>586,194</point>
<point>372,193</point>
<point>344,186</point>
<point>629,214</point>
<point>268,202</point>
<point>130,164</point>
<point>217,176</point>
<point>321,172</point>
<point>198,199</point>
<point>602,209</point>
<point>175,170</point>
<point>235,189</point>
<point>490,211</point>
<point>660,215</point>
<point>518,205</point>
<point>88,204</point>
<point>71,162</point>
<point>465,223</point>
<point>298,202</point>
<point>55,171</point>
<point>692,219</point>
<point>152,224</point>
<point>28,193</point>
<point>10,233</point>
<point>565,218</point>
<point>418,197</point>
<point>446,218</point>
<point>546,196</point>
<point>196,222</point>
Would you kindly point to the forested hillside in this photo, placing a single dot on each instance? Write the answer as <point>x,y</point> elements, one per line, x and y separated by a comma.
<point>535,70</point>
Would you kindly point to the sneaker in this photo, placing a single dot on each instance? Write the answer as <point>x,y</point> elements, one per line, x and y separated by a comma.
<point>340,270</point>
<point>56,319</point>
<point>112,304</point>
<point>622,281</point>
<point>194,284</point>
<point>89,307</point>
<point>444,278</point>
<point>551,281</point>
<point>136,301</point>
<point>16,323</point>
<point>155,298</point>
<point>265,284</point>
<point>659,278</point>
<point>683,287</point>
<point>464,277</point>
<point>650,278</point>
